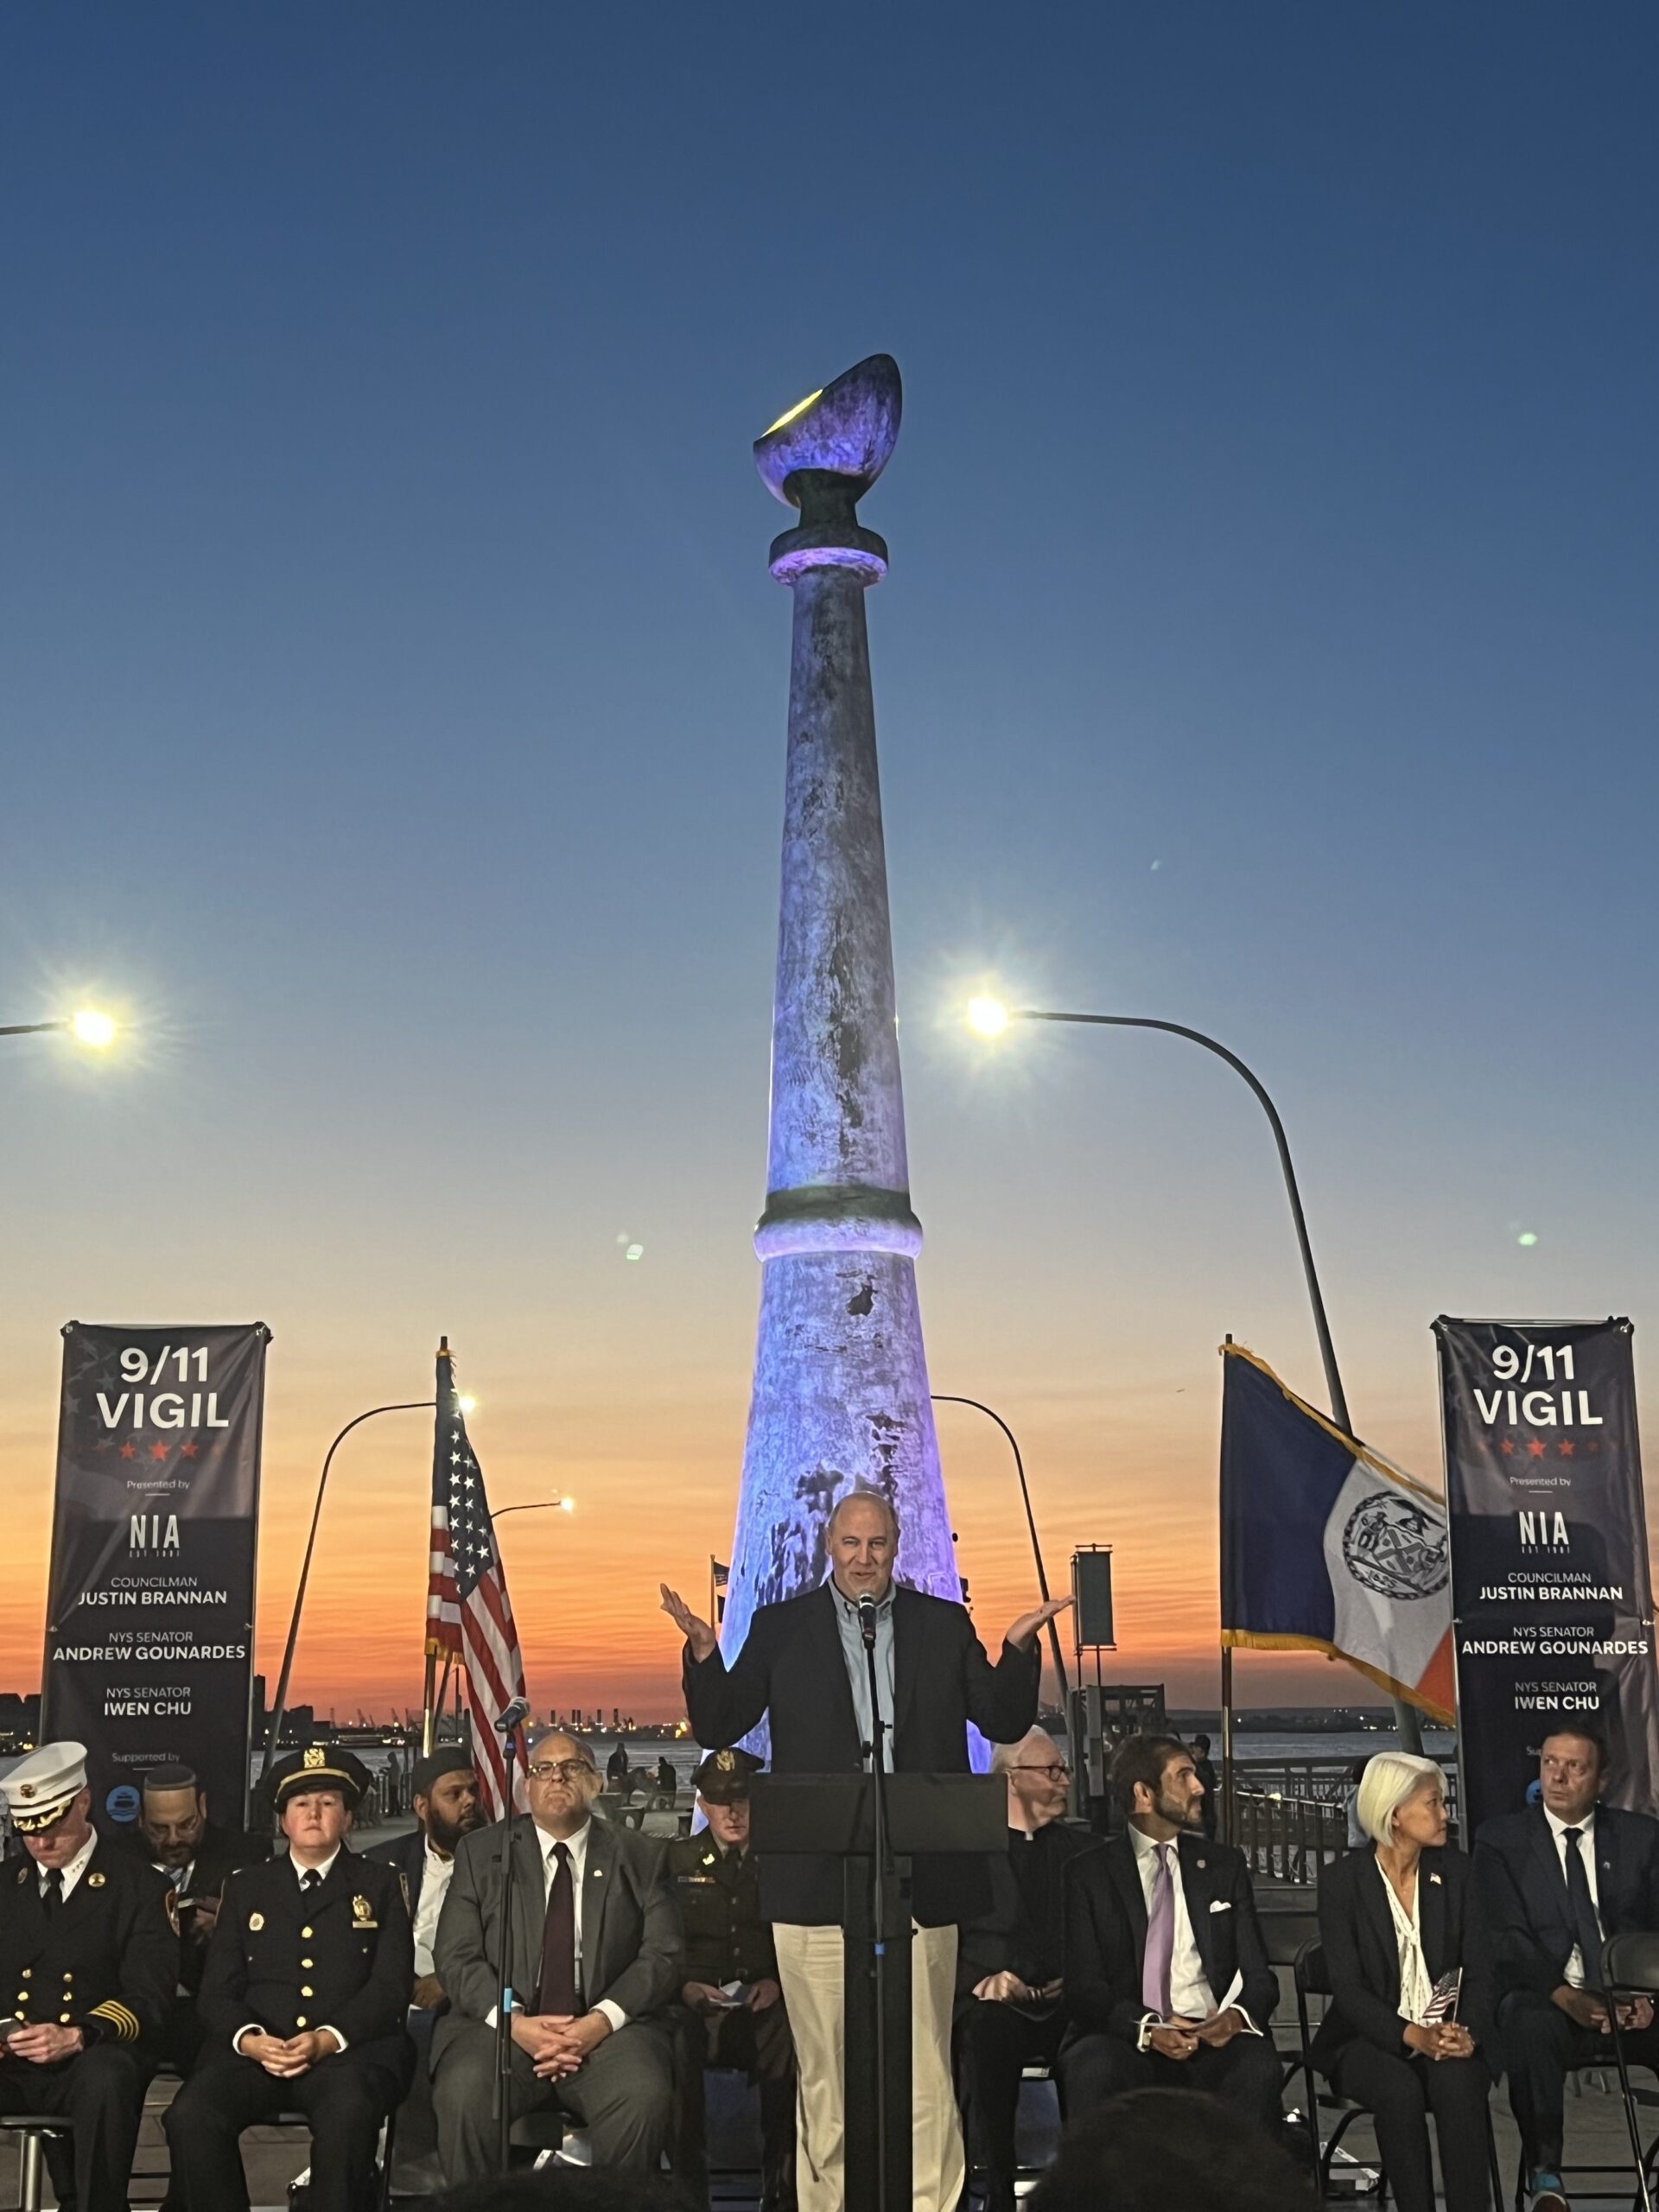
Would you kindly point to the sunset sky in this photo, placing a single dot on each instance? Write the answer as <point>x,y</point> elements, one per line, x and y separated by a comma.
<point>392,696</point>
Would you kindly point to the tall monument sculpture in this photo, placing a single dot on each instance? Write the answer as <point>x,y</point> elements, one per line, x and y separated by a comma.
<point>840,1396</point>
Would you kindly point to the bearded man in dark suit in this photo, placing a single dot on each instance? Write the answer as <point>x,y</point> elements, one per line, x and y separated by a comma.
<point>1166,1971</point>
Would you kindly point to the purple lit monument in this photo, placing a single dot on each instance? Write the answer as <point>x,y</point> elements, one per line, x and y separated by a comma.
<point>840,1393</point>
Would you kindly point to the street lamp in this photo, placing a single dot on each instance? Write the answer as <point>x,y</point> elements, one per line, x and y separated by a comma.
<point>280,1709</point>
<point>946,1398</point>
<point>89,1027</point>
<point>990,1018</point>
<point>538,1505</point>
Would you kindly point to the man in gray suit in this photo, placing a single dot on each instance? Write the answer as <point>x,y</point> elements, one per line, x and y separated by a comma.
<point>594,1961</point>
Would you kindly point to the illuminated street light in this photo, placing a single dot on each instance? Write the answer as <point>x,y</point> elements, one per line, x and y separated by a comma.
<point>537,1505</point>
<point>88,1028</point>
<point>990,1017</point>
<point>467,1405</point>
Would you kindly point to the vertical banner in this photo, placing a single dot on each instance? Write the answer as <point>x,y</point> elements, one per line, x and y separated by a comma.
<point>155,1531</point>
<point>1551,1594</point>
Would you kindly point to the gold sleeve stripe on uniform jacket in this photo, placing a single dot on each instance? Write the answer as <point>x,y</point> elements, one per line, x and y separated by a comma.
<point>119,2017</point>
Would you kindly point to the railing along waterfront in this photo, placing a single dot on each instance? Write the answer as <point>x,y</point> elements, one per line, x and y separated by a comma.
<point>1290,1815</point>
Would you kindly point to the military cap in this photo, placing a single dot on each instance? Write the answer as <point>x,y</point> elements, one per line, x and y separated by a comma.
<point>449,1758</point>
<point>320,1766</point>
<point>723,1777</point>
<point>41,1788</point>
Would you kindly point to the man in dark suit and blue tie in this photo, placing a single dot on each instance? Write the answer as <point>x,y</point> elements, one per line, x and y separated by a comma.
<point>1554,1882</point>
<point>1166,1969</point>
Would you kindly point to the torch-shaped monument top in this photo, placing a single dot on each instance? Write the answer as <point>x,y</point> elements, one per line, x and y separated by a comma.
<point>822,457</point>
<point>849,430</point>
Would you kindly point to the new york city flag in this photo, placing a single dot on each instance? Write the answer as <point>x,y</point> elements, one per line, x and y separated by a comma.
<point>1325,1547</point>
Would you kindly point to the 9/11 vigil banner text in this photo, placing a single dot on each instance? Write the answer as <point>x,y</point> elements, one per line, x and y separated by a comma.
<point>149,1604</point>
<point>1551,1594</point>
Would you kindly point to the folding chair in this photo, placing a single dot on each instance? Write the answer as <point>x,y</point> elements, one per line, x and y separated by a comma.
<point>1630,1968</point>
<point>31,2130</point>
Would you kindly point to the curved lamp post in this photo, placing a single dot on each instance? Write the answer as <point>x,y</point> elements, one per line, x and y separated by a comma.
<point>986,1016</point>
<point>279,1711</point>
<point>946,1398</point>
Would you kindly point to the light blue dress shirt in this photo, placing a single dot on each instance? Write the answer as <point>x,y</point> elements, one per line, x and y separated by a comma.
<point>858,1674</point>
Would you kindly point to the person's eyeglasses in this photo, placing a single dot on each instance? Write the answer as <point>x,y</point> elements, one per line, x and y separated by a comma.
<point>1052,1772</point>
<point>565,1770</point>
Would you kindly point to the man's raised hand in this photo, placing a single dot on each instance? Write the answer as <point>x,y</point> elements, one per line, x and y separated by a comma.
<point>698,1633</point>
<point>1023,1633</point>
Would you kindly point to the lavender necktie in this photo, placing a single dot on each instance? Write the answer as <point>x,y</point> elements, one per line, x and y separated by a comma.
<point>1160,1937</point>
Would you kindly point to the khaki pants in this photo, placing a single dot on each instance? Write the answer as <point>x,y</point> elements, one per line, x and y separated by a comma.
<point>810,1968</point>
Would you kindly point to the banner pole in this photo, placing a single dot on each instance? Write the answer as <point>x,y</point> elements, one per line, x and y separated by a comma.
<point>1227,1820</point>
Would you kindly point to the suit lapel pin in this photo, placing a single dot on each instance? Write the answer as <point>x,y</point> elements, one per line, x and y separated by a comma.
<point>1436,1879</point>
<point>598,1874</point>
<point>1202,1862</point>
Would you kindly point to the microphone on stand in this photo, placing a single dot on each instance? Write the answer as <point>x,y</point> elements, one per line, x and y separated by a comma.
<point>867,1620</point>
<point>515,1716</point>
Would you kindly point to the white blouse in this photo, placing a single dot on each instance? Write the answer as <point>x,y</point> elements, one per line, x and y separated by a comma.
<point>1415,1986</point>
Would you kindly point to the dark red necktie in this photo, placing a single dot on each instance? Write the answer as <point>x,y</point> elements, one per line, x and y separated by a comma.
<point>557,1990</point>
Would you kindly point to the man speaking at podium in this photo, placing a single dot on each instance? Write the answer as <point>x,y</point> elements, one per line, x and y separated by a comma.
<point>803,1664</point>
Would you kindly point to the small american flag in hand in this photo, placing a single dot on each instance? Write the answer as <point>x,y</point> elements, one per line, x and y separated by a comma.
<point>1443,1998</point>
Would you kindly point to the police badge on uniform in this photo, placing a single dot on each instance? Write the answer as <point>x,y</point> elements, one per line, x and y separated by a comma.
<point>363,1914</point>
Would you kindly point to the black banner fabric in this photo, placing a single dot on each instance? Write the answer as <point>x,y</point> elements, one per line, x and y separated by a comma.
<point>149,1610</point>
<point>1551,1595</point>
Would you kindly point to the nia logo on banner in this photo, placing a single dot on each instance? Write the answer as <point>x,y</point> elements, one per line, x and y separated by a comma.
<point>1392,1546</point>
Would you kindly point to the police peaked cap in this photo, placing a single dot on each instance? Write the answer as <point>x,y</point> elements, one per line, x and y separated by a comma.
<point>320,1766</point>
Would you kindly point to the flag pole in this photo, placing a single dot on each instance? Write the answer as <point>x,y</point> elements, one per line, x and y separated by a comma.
<point>428,1721</point>
<point>431,1697</point>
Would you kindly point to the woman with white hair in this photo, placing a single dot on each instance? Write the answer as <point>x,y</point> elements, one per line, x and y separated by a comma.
<point>1398,1921</point>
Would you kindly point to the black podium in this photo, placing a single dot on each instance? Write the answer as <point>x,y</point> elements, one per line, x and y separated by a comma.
<point>834,1815</point>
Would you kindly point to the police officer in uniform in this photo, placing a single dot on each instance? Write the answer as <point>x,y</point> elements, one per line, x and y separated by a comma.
<point>88,1961</point>
<point>725,1941</point>
<point>303,2001</point>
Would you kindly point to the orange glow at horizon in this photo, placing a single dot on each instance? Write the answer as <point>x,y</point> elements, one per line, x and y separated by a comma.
<point>584,1586</point>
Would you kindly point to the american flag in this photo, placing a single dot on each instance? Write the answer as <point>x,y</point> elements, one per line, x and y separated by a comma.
<point>468,1614</point>
<point>1443,1998</point>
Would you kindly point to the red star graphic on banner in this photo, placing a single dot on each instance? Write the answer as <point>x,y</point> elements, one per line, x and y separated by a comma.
<point>1535,1450</point>
<point>128,1450</point>
<point>158,1450</point>
<point>1565,1447</point>
<point>1507,1448</point>
<point>1594,1444</point>
<point>190,1450</point>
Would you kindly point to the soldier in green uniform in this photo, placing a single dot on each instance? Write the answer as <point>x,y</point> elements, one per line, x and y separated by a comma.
<point>303,2001</point>
<point>726,1941</point>
<point>88,1961</point>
